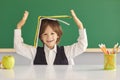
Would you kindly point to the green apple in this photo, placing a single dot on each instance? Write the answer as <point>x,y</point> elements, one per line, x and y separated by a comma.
<point>8,62</point>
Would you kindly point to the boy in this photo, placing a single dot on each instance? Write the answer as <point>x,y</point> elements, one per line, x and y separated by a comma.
<point>50,34</point>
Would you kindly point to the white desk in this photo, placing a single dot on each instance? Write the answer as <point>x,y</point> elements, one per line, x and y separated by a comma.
<point>77,72</point>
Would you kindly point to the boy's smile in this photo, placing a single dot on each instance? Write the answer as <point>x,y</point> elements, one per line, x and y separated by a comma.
<point>49,37</point>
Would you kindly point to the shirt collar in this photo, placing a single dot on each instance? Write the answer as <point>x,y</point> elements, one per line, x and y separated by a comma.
<point>46,49</point>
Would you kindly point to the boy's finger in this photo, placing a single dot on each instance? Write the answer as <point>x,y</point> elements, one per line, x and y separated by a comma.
<point>73,13</point>
<point>26,13</point>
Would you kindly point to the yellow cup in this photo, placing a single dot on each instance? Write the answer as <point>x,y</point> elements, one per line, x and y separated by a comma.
<point>109,61</point>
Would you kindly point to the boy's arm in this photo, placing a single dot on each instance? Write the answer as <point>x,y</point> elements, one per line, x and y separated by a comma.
<point>19,45</point>
<point>81,44</point>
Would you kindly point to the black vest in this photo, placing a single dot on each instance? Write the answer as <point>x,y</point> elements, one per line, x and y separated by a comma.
<point>60,58</point>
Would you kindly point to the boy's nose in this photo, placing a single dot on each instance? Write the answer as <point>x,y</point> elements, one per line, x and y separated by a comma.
<point>49,36</point>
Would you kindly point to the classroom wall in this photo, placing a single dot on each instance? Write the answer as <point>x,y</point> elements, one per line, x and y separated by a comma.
<point>95,58</point>
<point>101,18</point>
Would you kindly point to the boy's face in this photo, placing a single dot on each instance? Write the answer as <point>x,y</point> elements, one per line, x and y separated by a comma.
<point>49,37</point>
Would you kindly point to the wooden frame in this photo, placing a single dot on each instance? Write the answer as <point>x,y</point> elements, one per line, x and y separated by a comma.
<point>13,50</point>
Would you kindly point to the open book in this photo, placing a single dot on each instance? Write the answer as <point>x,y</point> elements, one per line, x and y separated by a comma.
<point>40,18</point>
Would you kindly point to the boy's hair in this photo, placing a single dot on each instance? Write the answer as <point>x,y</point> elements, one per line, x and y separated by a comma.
<point>54,24</point>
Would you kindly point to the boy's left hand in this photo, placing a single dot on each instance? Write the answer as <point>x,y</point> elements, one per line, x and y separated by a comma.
<point>78,22</point>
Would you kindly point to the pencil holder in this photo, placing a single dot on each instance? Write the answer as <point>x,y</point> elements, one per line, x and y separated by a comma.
<point>109,61</point>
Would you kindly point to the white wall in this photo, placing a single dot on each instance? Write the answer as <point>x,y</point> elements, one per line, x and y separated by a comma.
<point>83,59</point>
<point>19,60</point>
<point>93,58</point>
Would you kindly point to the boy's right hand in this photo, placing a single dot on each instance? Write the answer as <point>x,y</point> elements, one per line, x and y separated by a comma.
<point>22,22</point>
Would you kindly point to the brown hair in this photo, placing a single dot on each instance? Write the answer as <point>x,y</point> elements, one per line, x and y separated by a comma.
<point>54,24</point>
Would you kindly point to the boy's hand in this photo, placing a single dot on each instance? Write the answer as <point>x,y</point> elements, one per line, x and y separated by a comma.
<point>22,22</point>
<point>78,22</point>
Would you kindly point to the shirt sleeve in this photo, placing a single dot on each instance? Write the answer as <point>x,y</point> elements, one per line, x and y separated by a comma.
<point>78,47</point>
<point>22,48</point>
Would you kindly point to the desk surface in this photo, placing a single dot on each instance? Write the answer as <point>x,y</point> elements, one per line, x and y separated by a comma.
<point>77,72</point>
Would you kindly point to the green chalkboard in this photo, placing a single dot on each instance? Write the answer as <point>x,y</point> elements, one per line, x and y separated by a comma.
<point>101,18</point>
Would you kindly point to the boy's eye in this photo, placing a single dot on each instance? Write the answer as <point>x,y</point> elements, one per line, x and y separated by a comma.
<point>44,34</point>
<point>52,33</point>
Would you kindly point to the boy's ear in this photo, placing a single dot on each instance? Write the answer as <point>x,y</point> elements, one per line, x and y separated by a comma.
<point>58,37</point>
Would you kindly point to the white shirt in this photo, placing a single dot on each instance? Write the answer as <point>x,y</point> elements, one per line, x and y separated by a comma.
<point>50,54</point>
<point>70,51</point>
